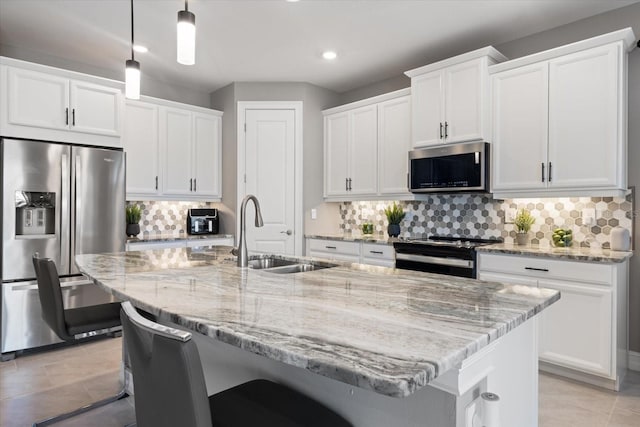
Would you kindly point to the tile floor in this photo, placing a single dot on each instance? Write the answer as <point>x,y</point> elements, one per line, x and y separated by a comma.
<point>36,386</point>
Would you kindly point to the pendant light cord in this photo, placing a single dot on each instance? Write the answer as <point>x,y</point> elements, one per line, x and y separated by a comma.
<point>132,53</point>
<point>186,5</point>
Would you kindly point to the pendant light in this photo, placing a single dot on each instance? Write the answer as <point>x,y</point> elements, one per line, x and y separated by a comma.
<point>132,70</point>
<point>186,36</point>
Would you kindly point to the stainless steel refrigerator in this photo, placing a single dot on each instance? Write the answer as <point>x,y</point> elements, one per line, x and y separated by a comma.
<point>58,200</point>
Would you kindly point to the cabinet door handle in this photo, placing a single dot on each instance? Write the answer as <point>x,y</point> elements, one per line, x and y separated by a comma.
<point>346,184</point>
<point>536,269</point>
<point>377,252</point>
<point>73,117</point>
<point>66,113</point>
<point>441,130</point>
<point>331,247</point>
<point>542,165</point>
<point>195,184</point>
<point>446,130</point>
<point>550,166</point>
<point>191,184</point>
<point>350,184</point>
<point>156,182</point>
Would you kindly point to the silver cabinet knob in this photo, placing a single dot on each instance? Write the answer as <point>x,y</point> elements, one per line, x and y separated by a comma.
<point>288,232</point>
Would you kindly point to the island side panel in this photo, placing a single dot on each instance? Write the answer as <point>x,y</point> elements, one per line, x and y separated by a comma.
<point>226,366</point>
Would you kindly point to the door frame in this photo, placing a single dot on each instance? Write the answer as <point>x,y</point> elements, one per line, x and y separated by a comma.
<point>296,106</point>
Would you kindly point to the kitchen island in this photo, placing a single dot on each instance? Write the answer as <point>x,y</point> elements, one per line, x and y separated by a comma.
<point>379,346</point>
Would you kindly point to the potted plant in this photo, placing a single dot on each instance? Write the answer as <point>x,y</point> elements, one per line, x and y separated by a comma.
<point>395,214</point>
<point>133,219</point>
<point>523,224</point>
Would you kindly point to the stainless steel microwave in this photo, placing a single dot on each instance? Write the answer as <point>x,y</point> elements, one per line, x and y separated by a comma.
<point>450,168</point>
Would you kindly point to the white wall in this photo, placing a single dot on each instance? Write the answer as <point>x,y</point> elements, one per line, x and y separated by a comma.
<point>314,99</point>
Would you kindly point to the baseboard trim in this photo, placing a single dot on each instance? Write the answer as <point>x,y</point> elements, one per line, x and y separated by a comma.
<point>634,361</point>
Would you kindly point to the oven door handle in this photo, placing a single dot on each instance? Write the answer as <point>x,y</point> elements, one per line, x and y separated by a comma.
<point>435,260</point>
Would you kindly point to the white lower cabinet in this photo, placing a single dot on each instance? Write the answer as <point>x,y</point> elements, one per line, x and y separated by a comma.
<point>359,252</point>
<point>583,335</point>
<point>576,331</point>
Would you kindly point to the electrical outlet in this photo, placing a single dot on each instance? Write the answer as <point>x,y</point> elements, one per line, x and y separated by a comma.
<point>510,216</point>
<point>314,214</point>
<point>588,216</point>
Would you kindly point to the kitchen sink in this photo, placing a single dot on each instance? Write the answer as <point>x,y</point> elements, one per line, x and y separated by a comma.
<point>270,262</point>
<point>278,265</point>
<point>299,268</point>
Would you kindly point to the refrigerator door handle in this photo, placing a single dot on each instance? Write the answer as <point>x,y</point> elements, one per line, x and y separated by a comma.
<point>76,206</point>
<point>64,214</point>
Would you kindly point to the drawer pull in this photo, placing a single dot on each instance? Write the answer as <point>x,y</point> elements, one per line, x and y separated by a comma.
<point>331,247</point>
<point>377,252</point>
<point>536,269</point>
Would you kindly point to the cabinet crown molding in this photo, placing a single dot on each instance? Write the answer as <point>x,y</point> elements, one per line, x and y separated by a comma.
<point>491,52</point>
<point>626,36</point>
<point>368,101</point>
<point>61,72</point>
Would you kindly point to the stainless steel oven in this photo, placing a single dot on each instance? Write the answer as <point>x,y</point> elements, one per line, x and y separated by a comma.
<point>450,168</point>
<point>453,256</point>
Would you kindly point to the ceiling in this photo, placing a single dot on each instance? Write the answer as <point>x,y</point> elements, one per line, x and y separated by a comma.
<point>276,40</point>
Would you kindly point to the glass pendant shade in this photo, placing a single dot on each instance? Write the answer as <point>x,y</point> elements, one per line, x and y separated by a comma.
<point>186,37</point>
<point>132,79</point>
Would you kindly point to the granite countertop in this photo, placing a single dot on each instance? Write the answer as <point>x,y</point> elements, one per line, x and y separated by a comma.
<point>387,330</point>
<point>571,253</point>
<point>169,237</point>
<point>356,237</point>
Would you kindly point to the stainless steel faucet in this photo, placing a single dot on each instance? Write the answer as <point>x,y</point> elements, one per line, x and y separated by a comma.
<point>243,256</point>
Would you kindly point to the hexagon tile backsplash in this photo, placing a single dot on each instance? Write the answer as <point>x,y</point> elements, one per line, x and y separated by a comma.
<point>168,218</point>
<point>481,216</point>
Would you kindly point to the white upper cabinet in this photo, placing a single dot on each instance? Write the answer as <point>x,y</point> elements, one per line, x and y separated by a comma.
<point>560,122</point>
<point>95,109</point>
<point>336,140</point>
<point>58,105</point>
<point>37,99</point>
<point>173,151</point>
<point>428,109</point>
<point>363,151</point>
<point>141,143</point>
<point>175,137</point>
<point>366,148</point>
<point>207,151</point>
<point>394,142</point>
<point>585,138</point>
<point>450,98</point>
<point>520,115</point>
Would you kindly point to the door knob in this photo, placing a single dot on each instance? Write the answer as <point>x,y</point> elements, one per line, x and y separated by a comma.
<point>288,232</point>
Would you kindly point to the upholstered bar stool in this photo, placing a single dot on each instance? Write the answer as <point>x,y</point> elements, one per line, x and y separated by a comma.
<point>72,324</point>
<point>170,389</point>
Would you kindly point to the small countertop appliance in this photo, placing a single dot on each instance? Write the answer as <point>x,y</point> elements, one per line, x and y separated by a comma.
<point>202,221</point>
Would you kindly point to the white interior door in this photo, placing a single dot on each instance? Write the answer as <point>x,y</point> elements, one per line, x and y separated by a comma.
<point>270,176</point>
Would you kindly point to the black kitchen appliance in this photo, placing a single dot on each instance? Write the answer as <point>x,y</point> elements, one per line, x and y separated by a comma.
<point>450,168</point>
<point>453,256</point>
<point>202,221</point>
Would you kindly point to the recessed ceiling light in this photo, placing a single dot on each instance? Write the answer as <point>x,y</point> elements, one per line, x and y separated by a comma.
<point>292,1</point>
<point>140,49</point>
<point>329,55</point>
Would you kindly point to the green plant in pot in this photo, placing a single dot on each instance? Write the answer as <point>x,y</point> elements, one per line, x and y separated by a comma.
<point>395,215</point>
<point>523,222</point>
<point>133,214</point>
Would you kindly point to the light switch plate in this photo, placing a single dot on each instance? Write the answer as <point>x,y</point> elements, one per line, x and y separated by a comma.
<point>314,214</point>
